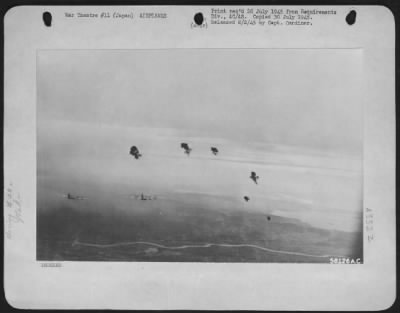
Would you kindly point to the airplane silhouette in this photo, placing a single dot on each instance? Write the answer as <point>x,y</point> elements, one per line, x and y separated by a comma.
<point>135,152</point>
<point>214,150</point>
<point>254,177</point>
<point>72,197</point>
<point>186,147</point>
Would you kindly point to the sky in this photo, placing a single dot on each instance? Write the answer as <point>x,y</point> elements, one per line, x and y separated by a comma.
<point>293,116</point>
<point>305,98</point>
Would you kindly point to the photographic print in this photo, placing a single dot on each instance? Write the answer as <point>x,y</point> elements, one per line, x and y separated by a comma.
<point>200,155</point>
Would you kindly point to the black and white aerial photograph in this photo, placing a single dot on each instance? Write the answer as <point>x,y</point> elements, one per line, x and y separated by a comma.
<point>199,155</point>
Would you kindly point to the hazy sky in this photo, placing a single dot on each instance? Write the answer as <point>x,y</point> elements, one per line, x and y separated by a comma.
<point>293,116</point>
<point>305,98</point>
